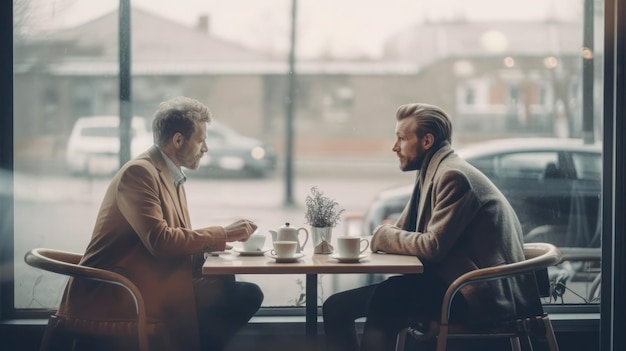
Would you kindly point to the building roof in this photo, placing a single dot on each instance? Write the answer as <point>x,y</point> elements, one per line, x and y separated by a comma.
<point>153,38</point>
<point>425,43</point>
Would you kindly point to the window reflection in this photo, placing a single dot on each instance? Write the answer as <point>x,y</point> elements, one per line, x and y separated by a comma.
<point>499,76</point>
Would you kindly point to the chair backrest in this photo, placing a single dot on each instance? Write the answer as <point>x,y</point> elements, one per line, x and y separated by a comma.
<point>539,256</point>
<point>66,263</point>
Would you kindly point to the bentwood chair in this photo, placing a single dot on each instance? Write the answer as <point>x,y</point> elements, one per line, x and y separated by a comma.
<point>539,256</point>
<point>66,263</point>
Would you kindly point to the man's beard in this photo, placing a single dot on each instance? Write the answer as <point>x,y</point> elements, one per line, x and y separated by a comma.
<point>188,161</point>
<point>414,164</point>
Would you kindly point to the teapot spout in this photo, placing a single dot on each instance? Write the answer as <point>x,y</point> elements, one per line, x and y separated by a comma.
<point>274,234</point>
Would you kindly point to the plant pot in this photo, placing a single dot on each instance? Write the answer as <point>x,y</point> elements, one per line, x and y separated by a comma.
<point>321,239</point>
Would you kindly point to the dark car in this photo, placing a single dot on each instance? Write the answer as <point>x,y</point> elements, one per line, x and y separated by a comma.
<point>231,153</point>
<point>553,185</point>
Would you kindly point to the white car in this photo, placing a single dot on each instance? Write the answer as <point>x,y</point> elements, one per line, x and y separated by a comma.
<point>93,146</point>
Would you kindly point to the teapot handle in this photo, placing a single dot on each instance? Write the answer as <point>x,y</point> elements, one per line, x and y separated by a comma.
<point>306,237</point>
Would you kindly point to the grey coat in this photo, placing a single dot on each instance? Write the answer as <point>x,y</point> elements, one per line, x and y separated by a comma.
<point>463,223</point>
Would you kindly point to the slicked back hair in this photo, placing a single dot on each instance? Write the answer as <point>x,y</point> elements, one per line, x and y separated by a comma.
<point>430,119</point>
<point>178,115</point>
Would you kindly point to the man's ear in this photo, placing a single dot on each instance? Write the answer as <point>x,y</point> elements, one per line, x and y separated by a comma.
<point>178,139</point>
<point>428,141</point>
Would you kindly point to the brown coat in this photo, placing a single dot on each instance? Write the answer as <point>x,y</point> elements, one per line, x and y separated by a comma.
<point>143,232</point>
<point>463,223</point>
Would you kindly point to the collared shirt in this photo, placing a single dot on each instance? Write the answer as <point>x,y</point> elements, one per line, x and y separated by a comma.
<point>177,173</point>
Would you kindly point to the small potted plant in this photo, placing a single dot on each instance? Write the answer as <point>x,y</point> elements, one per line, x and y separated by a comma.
<point>322,213</point>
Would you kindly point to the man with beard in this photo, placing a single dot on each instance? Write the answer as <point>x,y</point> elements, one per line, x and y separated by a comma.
<point>143,231</point>
<point>456,221</point>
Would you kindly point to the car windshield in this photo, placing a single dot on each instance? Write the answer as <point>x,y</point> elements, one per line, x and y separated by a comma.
<point>525,165</point>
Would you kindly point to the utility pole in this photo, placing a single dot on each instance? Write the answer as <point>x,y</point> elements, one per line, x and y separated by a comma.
<point>290,106</point>
<point>126,108</point>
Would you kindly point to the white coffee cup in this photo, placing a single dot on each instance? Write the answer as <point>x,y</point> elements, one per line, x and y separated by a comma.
<point>351,246</point>
<point>254,243</point>
<point>284,249</point>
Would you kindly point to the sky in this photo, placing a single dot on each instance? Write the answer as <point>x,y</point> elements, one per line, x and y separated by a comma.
<point>340,28</point>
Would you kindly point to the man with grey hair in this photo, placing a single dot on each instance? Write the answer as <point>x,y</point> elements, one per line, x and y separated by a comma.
<point>143,231</point>
<point>456,221</point>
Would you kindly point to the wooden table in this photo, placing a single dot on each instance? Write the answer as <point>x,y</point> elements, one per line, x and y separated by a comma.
<point>311,265</point>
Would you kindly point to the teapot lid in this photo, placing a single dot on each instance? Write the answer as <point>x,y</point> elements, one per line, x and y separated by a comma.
<point>287,227</point>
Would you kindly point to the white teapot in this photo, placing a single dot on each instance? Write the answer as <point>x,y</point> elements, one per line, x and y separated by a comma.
<point>287,233</point>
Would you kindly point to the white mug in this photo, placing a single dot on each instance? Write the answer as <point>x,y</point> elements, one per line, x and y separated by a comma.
<point>284,249</point>
<point>254,243</point>
<point>351,246</point>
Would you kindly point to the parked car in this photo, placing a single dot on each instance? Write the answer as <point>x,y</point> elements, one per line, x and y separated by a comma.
<point>93,146</point>
<point>554,185</point>
<point>232,153</point>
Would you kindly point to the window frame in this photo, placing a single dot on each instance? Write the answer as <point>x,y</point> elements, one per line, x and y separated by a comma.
<point>614,176</point>
<point>6,162</point>
<point>614,241</point>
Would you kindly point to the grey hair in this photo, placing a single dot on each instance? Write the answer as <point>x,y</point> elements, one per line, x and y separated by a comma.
<point>178,115</point>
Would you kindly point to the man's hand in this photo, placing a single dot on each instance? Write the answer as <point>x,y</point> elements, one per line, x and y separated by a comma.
<point>239,230</point>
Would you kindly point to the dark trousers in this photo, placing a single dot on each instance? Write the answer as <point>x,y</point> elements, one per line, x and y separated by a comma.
<point>388,306</point>
<point>224,306</point>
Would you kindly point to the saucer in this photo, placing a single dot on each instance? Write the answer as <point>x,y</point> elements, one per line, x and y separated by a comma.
<point>348,259</point>
<point>213,253</point>
<point>295,258</point>
<point>242,252</point>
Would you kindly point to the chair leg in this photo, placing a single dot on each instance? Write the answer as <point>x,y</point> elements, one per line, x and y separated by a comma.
<point>442,338</point>
<point>515,344</point>
<point>550,337</point>
<point>401,339</point>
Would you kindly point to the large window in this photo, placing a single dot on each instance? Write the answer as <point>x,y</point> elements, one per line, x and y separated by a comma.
<point>503,70</point>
